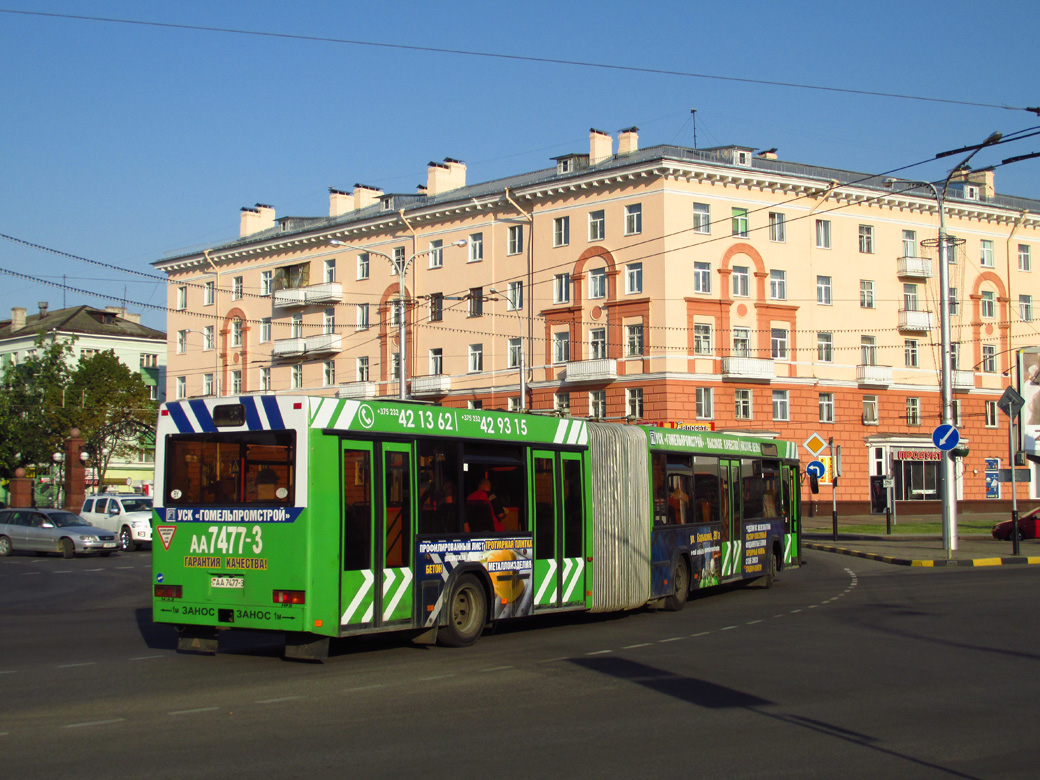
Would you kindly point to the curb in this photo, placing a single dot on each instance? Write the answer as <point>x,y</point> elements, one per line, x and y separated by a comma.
<point>926,562</point>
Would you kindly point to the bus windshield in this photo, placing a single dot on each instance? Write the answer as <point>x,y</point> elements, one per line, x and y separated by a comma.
<point>225,469</point>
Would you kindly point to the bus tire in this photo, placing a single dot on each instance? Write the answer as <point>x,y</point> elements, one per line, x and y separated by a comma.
<point>770,578</point>
<point>467,613</point>
<point>681,582</point>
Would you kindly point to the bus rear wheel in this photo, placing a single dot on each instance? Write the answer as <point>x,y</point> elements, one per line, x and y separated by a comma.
<point>770,578</point>
<point>467,614</point>
<point>681,581</point>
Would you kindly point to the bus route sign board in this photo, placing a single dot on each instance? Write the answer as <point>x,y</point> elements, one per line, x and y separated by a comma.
<point>815,444</point>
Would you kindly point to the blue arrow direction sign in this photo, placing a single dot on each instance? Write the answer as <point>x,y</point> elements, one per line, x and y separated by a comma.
<point>945,437</point>
<point>816,469</point>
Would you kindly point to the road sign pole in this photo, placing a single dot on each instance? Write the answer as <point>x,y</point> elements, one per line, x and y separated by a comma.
<point>1014,487</point>
<point>834,489</point>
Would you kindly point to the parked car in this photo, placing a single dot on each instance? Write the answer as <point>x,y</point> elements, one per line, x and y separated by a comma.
<point>128,515</point>
<point>1028,527</point>
<point>52,530</point>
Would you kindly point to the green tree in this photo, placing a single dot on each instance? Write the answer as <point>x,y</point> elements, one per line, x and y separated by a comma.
<point>110,404</point>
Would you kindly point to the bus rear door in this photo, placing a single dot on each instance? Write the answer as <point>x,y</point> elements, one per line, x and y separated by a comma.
<point>732,527</point>
<point>559,532</point>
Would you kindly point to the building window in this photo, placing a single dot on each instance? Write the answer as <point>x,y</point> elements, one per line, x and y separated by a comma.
<point>909,243</point>
<point>913,411</point>
<point>182,298</point>
<point>182,342</point>
<point>477,404</point>
<point>741,281</point>
<point>561,231</point>
<point>633,340</point>
<point>266,282</point>
<point>476,357</point>
<point>515,351</point>
<point>777,227</point>
<point>634,278</point>
<point>910,300</point>
<point>823,233</point>
<point>634,402</point>
<point>208,294</point>
<point>910,352</point>
<point>265,330</point>
<point>778,343</point>
<point>823,290</point>
<point>597,225</point>
<point>705,403</point>
<point>296,377</point>
<point>236,288</point>
<point>330,271</point>
<point>207,384</point>
<point>702,339</point>
<point>182,387</point>
<point>149,360</point>
<point>633,219</point>
<point>867,351</point>
<point>955,354</point>
<point>989,358</point>
<point>598,283</point>
<point>265,379</point>
<point>436,307</point>
<point>778,285</point>
<point>329,373</point>
<point>598,403</point>
<point>986,257</point>
<point>742,404</point>
<point>562,402</point>
<point>362,266</point>
<point>436,361</point>
<point>562,288</point>
<point>597,343</point>
<point>362,369</point>
<point>362,316</point>
<point>236,333</point>
<point>398,259</point>
<point>515,242</point>
<point>436,254</point>
<point>953,302</point>
<point>701,218</point>
<point>991,414</point>
<point>702,277</point>
<point>781,410</point>
<point>866,294</point>
<point>476,301</point>
<point>826,407</point>
<point>741,342</point>
<point>866,239</point>
<point>740,222</point>
<point>476,247</point>
<point>513,403</point>
<point>395,366</point>
<point>561,347</point>
<point>1025,308</point>
<point>1025,261</point>
<point>870,410</point>
<point>328,321</point>
<point>825,347</point>
<point>515,296</point>
<point>208,340</point>
<point>988,304</point>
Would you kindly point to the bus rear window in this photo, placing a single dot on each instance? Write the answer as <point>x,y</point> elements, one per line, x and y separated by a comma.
<point>227,469</point>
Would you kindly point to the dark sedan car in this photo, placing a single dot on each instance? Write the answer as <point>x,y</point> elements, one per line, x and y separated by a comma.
<point>52,530</point>
<point>1028,527</point>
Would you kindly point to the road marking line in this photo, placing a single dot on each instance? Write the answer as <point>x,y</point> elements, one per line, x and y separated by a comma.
<point>633,647</point>
<point>702,633</point>
<point>599,652</point>
<point>670,639</point>
<point>93,723</point>
<point>146,657</point>
<point>28,573</point>
<point>192,712</point>
<point>93,570</point>
<point>72,666</point>
<point>555,660</point>
<point>497,669</point>
<point>436,677</point>
<point>727,628</point>
<point>795,611</point>
<point>7,671</point>
<point>752,622</point>
<point>363,688</point>
<point>126,567</point>
<point>279,699</point>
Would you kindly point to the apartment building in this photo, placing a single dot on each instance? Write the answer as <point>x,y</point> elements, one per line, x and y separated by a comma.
<point>722,288</point>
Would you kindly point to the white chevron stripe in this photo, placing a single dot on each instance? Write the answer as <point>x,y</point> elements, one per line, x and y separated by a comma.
<point>576,431</point>
<point>323,411</point>
<point>389,575</point>
<point>561,431</point>
<point>550,577</point>
<point>579,566</point>
<point>363,591</point>
<point>405,581</point>
<point>346,415</point>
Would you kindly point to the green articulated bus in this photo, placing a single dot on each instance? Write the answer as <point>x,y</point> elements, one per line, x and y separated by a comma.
<point>323,517</point>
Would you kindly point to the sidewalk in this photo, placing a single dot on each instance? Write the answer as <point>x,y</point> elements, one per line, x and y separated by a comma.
<point>914,549</point>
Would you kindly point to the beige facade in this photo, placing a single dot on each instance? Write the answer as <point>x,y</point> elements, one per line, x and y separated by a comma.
<point>664,284</point>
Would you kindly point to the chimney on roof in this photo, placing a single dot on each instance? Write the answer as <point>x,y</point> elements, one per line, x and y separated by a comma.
<point>17,317</point>
<point>253,220</point>
<point>340,202</point>
<point>628,141</point>
<point>987,181</point>
<point>446,176</point>
<point>365,196</point>
<point>43,308</point>
<point>601,146</point>
<point>768,154</point>
<point>119,311</point>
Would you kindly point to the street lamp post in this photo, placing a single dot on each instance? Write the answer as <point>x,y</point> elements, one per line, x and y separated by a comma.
<point>523,369</point>
<point>949,504</point>
<point>400,268</point>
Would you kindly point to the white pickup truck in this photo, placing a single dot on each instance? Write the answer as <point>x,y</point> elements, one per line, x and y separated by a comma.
<point>129,515</point>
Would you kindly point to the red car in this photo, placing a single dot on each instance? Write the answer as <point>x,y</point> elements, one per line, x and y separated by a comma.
<point>1028,527</point>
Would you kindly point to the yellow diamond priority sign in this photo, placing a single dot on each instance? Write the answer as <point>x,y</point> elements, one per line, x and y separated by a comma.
<point>815,444</point>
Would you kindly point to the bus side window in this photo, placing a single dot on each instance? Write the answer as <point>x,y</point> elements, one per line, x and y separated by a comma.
<point>357,510</point>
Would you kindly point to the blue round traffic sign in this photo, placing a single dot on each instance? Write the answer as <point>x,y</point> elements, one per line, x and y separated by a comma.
<point>816,469</point>
<point>945,437</point>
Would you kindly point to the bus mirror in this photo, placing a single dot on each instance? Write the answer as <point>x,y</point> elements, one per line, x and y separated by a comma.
<point>814,484</point>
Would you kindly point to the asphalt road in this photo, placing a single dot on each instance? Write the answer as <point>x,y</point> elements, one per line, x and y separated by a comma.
<point>847,668</point>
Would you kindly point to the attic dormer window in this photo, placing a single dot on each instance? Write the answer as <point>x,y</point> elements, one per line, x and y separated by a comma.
<point>971,192</point>
<point>743,158</point>
<point>387,204</point>
<point>565,166</point>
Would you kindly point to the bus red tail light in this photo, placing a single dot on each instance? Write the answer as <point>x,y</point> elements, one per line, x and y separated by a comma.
<point>168,591</point>
<point>289,597</point>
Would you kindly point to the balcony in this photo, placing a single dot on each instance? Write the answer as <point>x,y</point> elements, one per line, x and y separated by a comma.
<point>914,267</point>
<point>874,375</point>
<point>915,321</point>
<point>434,384</point>
<point>322,344</point>
<point>357,390</point>
<point>747,368</point>
<point>290,297</point>
<point>601,370</point>
<point>962,380</point>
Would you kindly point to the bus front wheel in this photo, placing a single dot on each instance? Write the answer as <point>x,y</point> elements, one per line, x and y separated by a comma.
<point>467,614</point>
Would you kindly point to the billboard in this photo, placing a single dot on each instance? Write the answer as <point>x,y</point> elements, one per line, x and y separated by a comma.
<point>1029,388</point>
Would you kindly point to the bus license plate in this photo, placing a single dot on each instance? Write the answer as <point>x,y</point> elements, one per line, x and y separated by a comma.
<point>227,582</point>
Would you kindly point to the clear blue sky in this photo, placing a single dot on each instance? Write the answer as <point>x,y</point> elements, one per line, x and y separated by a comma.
<point>123,143</point>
